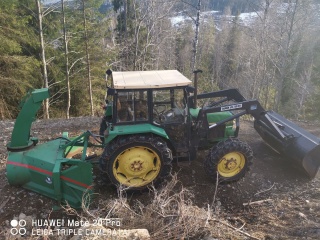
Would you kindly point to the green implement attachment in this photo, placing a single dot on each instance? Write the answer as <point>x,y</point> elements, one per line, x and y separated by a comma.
<point>20,138</point>
<point>46,168</point>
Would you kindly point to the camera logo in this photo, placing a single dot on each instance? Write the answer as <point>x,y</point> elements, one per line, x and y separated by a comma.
<point>18,227</point>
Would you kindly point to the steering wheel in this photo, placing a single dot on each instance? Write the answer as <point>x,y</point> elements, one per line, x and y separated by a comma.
<point>159,116</point>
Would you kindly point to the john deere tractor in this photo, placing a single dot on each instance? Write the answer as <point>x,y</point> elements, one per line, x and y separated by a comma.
<point>151,118</point>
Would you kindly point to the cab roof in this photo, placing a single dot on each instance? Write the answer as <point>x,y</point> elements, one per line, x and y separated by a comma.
<point>149,79</point>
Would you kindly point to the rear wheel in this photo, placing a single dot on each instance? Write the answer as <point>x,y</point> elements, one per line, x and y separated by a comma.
<point>229,160</point>
<point>137,161</point>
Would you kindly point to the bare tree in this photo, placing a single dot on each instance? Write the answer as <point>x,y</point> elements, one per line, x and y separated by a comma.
<point>283,66</point>
<point>275,56</point>
<point>87,55</point>
<point>158,30</point>
<point>257,48</point>
<point>66,53</point>
<point>143,27</point>
<point>40,15</point>
<point>196,21</point>
<point>196,37</point>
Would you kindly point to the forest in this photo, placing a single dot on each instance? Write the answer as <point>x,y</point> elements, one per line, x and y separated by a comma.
<point>272,56</point>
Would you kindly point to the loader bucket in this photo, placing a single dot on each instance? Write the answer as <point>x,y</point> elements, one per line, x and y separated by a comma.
<point>291,141</point>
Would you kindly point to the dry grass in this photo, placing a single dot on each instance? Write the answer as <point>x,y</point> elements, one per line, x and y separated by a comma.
<point>170,214</point>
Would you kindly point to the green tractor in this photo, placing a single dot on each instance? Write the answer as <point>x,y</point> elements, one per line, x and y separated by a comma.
<point>151,118</point>
<point>154,117</point>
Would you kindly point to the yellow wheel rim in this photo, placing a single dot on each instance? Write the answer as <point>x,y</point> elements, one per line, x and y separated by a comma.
<point>231,164</point>
<point>136,166</point>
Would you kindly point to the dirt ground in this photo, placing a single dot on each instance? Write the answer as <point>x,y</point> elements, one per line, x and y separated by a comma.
<point>289,206</point>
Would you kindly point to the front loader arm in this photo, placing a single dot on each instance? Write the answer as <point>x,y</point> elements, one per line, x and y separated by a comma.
<point>227,95</point>
<point>252,107</point>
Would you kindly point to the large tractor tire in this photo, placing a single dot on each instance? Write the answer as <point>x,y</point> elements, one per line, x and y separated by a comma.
<point>136,161</point>
<point>229,160</point>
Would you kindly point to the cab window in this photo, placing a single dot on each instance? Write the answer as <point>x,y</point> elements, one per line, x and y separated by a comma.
<point>132,106</point>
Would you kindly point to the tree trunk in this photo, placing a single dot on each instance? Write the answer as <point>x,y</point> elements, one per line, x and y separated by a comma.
<point>66,53</point>
<point>283,69</point>
<point>43,58</point>
<point>196,38</point>
<point>87,56</point>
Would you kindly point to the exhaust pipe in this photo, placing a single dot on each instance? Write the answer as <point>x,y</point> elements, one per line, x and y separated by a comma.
<point>293,142</point>
<point>195,72</point>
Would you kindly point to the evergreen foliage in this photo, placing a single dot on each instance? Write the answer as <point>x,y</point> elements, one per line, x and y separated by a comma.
<point>19,68</point>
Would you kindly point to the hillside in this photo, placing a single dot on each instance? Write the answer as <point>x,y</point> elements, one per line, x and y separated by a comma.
<point>274,200</point>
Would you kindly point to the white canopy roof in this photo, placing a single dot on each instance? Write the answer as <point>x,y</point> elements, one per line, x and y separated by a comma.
<point>149,79</point>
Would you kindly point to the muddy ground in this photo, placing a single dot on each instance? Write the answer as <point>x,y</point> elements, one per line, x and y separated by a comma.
<point>289,206</point>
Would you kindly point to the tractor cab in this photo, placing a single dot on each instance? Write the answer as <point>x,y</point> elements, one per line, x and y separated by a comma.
<point>158,102</point>
<point>152,119</point>
<point>147,97</point>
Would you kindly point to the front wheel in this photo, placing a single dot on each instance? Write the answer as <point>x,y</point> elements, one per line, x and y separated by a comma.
<point>136,161</point>
<point>229,160</point>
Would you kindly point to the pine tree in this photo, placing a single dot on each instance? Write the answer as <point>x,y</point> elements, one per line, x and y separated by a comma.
<point>18,66</point>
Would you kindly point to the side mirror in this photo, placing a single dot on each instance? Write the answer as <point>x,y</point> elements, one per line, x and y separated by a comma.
<point>190,89</point>
<point>108,72</point>
<point>111,91</point>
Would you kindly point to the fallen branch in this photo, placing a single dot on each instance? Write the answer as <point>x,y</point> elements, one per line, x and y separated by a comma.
<point>265,190</point>
<point>216,189</point>
<point>257,202</point>
<point>236,229</point>
<point>4,203</point>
